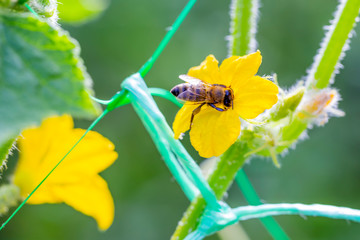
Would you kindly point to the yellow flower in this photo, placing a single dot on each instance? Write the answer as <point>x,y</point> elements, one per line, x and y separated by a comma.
<point>212,131</point>
<point>76,181</point>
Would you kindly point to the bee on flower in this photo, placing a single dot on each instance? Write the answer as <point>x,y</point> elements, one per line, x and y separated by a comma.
<point>217,97</point>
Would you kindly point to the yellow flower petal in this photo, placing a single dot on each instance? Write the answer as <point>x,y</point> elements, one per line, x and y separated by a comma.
<point>34,145</point>
<point>208,71</point>
<point>92,155</point>
<point>35,142</point>
<point>41,149</point>
<point>182,120</point>
<point>44,194</point>
<point>91,197</point>
<point>236,71</point>
<point>213,132</point>
<point>256,96</point>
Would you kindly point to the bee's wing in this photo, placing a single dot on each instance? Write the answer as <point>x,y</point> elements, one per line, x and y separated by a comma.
<point>191,80</point>
<point>187,95</point>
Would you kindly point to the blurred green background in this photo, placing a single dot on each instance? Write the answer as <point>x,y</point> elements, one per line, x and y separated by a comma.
<point>325,168</point>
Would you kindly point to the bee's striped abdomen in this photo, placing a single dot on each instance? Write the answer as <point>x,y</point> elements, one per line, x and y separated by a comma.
<point>178,89</point>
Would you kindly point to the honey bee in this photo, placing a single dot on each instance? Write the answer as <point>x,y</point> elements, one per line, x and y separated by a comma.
<point>197,91</point>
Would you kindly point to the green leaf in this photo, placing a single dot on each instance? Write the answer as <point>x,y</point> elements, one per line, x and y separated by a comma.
<point>41,74</point>
<point>78,11</point>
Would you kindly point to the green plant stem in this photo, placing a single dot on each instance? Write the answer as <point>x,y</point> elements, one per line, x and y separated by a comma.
<point>253,199</point>
<point>148,65</point>
<point>243,28</point>
<point>334,45</point>
<point>243,24</point>
<point>53,169</point>
<point>315,210</point>
<point>219,180</point>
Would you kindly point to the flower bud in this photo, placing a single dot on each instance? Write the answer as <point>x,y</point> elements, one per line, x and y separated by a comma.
<point>288,104</point>
<point>318,106</point>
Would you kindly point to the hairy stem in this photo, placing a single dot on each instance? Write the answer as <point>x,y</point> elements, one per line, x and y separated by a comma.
<point>334,45</point>
<point>243,25</point>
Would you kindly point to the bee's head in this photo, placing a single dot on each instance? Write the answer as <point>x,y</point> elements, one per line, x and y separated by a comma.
<point>228,99</point>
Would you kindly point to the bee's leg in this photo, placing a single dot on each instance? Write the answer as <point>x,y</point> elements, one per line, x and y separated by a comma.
<point>194,112</point>
<point>217,108</point>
